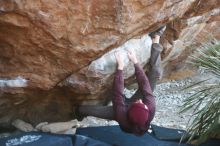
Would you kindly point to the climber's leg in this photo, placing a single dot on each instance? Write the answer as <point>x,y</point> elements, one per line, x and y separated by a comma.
<point>104,112</point>
<point>155,70</point>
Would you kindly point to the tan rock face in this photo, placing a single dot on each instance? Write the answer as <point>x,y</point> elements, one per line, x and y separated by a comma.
<point>55,54</point>
<point>190,32</point>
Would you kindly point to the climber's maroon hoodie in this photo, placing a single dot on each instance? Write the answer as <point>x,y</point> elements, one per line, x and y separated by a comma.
<point>121,108</point>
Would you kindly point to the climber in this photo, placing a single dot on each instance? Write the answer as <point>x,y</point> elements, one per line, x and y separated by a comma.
<point>133,115</point>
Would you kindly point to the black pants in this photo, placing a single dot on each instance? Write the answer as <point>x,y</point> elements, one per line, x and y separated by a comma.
<point>154,74</point>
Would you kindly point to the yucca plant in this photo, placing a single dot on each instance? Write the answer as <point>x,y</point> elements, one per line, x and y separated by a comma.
<point>205,103</point>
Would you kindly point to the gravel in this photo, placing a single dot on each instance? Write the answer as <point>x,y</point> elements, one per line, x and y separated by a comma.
<point>169,98</point>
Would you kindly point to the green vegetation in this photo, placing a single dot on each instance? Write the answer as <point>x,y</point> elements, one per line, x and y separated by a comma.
<point>205,103</point>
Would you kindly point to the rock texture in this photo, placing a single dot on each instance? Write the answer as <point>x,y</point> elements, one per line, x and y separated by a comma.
<point>199,25</point>
<point>58,53</point>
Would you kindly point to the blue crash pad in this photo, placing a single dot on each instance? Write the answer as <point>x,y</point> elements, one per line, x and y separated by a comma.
<point>80,140</point>
<point>36,139</point>
<point>114,136</point>
<point>212,142</point>
<point>47,139</point>
<point>164,133</point>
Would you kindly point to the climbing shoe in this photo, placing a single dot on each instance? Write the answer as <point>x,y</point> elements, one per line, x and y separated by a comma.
<point>159,32</point>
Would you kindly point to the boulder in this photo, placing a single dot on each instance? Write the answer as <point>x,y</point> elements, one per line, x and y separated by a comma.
<point>57,54</point>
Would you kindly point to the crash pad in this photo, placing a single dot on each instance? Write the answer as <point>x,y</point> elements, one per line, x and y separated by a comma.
<point>170,134</point>
<point>36,139</point>
<point>48,139</point>
<point>164,133</point>
<point>80,140</point>
<point>211,142</point>
<point>114,136</point>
